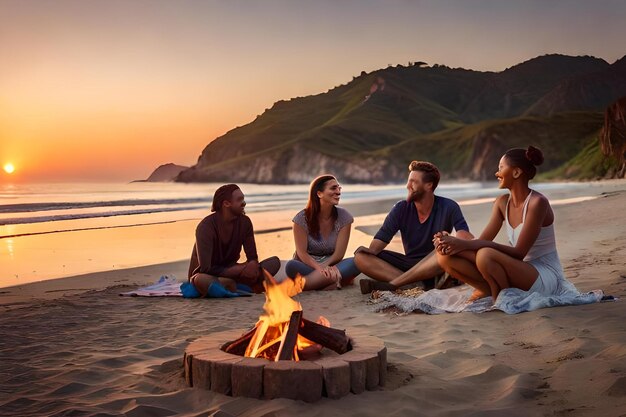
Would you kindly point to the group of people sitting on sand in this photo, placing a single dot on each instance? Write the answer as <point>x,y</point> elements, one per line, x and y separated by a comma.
<point>432,255</point>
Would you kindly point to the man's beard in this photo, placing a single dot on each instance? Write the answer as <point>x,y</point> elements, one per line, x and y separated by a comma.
<point>237,213</point>
<point>415,195</point>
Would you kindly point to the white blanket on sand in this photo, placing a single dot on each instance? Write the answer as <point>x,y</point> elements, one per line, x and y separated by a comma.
<point>510,300</point>
<point>166,286</point>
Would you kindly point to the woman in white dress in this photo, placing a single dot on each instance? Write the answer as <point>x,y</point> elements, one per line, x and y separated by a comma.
<point>531,262</point>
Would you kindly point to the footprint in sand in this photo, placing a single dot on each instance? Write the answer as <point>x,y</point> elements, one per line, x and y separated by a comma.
<point>618,389</point>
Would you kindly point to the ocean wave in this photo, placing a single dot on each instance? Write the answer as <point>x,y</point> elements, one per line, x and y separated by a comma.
<point>48,206</point>
<point>32,207</point>
<point>60,217</point>
<point>251,207</point>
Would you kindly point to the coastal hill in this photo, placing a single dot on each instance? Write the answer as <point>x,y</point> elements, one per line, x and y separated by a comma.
<point>165,173</point>
<point>369,129</point>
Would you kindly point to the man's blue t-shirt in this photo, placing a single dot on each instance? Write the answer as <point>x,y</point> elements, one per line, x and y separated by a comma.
<point>417,238</point>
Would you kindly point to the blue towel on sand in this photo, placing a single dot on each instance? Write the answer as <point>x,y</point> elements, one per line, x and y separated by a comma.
<point>168,286</point>
<point>188,290</point>
<point>216,290</point>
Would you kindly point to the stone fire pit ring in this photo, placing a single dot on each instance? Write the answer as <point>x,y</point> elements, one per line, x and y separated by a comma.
<point>333,375</point>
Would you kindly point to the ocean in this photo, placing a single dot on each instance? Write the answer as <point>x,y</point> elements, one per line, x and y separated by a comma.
<point>51,208</point>
<point>56,230</point>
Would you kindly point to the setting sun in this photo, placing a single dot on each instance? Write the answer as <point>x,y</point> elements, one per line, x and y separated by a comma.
<point>9,168</point>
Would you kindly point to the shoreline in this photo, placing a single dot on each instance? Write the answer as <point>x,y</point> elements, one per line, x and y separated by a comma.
<point>368,218</point>
<point>484,191</point>
<point>73,346</point>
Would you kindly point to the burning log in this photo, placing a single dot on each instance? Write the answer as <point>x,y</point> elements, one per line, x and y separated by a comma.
<point>333,339</point>
<point>239,346</point>
<point>281,332</point>
<point>287,350</point>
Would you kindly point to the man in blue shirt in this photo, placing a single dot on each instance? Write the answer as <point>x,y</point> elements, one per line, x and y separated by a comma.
<point>417,218</point>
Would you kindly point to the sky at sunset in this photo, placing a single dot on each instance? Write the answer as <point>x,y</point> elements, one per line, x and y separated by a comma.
<point>108,90</point>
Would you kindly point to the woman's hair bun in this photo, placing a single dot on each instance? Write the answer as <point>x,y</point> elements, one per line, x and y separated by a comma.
<point>534,155</point>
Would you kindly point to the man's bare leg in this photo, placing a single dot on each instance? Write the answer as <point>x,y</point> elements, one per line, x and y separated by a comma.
<point>381,271</point>
<point>376,268</point>
<point>202,282</point>
<point>427,268</point>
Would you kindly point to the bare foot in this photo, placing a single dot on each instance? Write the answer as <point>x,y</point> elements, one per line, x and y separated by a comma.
<point>477,295</point>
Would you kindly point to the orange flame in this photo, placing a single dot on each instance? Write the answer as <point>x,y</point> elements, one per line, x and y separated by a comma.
<point>272,326</point>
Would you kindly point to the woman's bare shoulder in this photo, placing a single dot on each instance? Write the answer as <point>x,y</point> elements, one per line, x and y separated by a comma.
<point>501,201</point>
<point>539,203</point>
<point>539,199</point>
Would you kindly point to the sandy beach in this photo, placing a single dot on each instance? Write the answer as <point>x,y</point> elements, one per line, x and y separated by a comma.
<point>73,346</point>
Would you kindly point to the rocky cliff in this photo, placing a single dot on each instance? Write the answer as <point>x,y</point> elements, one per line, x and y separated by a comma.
<point>369,129</point>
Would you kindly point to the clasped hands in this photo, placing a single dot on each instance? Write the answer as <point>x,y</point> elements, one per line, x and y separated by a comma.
<point>332,272</point>
<point>448,245</point>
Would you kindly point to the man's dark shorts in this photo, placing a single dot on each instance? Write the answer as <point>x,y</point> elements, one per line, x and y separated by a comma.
<point>399,260</point>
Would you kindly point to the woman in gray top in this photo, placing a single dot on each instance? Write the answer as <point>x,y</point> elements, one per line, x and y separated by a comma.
<point>321,232</point>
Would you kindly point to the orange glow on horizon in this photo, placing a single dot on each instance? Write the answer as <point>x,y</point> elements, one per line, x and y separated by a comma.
<point>108,91</point>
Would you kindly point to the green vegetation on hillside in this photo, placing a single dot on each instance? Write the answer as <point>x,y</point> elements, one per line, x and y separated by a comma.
<point>588,164</point>
<point>462,120</point>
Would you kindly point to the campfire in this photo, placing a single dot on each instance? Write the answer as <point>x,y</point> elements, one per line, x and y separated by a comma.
<point>282,333</point>
<point>283,355</point>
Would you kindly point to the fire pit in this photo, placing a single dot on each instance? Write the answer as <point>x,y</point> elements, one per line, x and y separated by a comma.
<point>286,356</point>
